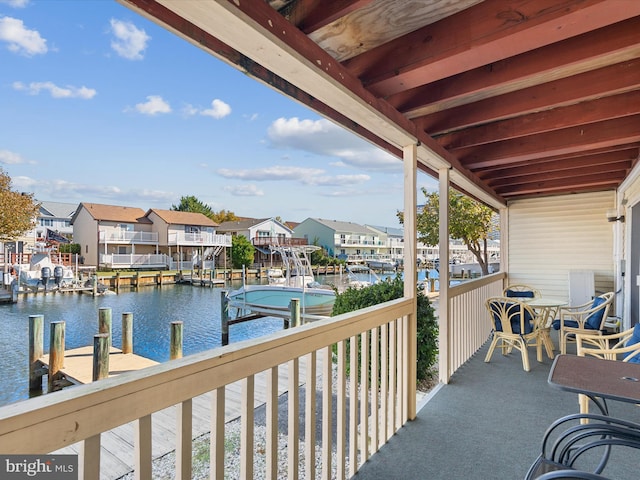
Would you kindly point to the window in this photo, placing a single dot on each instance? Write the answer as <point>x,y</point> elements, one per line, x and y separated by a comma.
<point>46,222</point>
<point>191,229</point>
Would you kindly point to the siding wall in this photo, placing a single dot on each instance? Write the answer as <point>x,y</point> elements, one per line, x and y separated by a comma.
<point>550,236</point>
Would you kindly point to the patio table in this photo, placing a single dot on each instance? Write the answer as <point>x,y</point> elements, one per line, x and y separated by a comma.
<point>547,308</point>
<point>597,378</point>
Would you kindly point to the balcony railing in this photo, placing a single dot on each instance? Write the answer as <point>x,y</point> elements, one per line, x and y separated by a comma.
<point>281,241</point>
<point>143,260</point>
<point>115,236</point>
<point>369,408</point>
<point>204,239</point>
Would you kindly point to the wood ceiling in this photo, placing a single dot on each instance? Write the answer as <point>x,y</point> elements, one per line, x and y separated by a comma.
<point>520,98</point>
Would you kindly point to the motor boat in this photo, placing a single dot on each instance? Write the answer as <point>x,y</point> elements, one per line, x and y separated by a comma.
<point>295,282</point>
<point>360,276</point>
<point>43,272</point>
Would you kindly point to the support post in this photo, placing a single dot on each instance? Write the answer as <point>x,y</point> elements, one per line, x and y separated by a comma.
<point>224,316</point>
<point>127,332</point>
<point>100,356</point>
<point>56,355</point>
<point>294,311</point>
<point>176,340</point>
<point>36,350</point>
<point>104,322</point>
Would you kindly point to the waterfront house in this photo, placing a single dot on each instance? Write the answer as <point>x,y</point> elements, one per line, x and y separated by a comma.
<point>188,239</point>
<point>348,241</point>
<point>532,107</point>
<point>55,217</point>
<point>261,232</point>
<point>116,237</point>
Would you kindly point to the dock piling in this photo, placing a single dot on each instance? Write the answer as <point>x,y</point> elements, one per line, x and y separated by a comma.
<point>36,350</point>
<point>100,356</point>
<point>104,322</point>
<point>56,355</point>
<point>176,340</point>
<point>224,316</point>
<point>294,309</point>
<point>127,332</point>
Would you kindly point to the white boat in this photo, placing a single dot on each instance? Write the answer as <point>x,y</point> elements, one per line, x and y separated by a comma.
<point>43,272</point>
<point>297,282</point>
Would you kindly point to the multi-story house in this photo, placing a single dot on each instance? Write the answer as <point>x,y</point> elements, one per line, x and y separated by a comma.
<point>262,233</point>
<point>345,240</point>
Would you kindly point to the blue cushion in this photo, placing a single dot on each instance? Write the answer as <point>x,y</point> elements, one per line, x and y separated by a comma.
<point>635,338</point>
<point>567,323</point>
<point>515,319</point>
<point>518,294</point>
<point>595,319</point>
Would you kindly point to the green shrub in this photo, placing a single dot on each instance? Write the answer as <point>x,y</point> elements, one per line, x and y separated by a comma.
<point>427,326</point>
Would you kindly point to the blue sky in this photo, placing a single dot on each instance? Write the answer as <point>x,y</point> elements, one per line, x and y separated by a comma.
<point>98,104</point>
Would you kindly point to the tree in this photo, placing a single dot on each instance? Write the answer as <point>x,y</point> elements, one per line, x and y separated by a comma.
<point>242,251</point>
<point>223,216</point>
<point>192,204</point>
<point>469,221</point>
<point>18,211</point>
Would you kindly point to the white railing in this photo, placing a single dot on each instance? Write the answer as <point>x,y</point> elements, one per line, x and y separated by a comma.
<point>123,236</point>
<point>468,324</point>
<point>202,239</point>
<point>187,265</point>
<point>369,408</point>
<point>134,260</point>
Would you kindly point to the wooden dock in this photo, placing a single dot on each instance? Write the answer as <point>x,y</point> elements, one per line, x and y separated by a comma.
<point>117,445</point>
<point>78,363</point>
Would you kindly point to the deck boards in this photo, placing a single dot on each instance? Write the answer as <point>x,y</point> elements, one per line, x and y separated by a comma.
<point>117,447</point>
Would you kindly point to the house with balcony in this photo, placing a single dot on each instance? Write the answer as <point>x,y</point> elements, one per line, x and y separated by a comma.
<point>188,239</point>
<point>262,233</point>
<point>532,108</point>
<point>55,217</point>
<point>113,236</point>
<point>348,241</point>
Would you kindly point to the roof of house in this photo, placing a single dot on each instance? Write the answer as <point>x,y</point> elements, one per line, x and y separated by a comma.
<point>113,213</point>
<point>174,217</point>
<point>339,226</point>
<point>242,224</point>
<point>57,209</point>
<point>393,231</point>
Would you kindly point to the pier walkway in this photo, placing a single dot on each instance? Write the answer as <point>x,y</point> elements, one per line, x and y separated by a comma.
<point>117,445</point>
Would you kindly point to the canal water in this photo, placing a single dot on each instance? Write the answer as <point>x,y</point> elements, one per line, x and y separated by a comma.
<point>153,308</point>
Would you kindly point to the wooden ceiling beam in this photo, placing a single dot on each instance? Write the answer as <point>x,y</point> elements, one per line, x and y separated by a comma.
<point>583,184</point>
<point>619,78</point>
<point>480,35</point>
<point>607,108</point>
<point>559,142</point>
<point>602,47</point>
<point>548,167</point>
<point>312,15</point>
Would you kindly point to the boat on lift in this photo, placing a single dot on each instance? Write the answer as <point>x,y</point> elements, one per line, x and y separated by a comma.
<point>43,272</point>
<point>296,282</point>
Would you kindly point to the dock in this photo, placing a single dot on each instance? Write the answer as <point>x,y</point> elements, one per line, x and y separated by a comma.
<point>117,445</point>
<point>78,363</point>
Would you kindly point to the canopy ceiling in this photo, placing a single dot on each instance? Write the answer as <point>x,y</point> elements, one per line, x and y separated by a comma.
<point>519,98</point>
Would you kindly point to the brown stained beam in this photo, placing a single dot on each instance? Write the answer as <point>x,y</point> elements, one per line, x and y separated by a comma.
<point>480,35</point>
<point>549,167</point>
<point>607,108</point>
<point>312,15</point>
<point>602,47</point>
<point>582,184</point>
<point>619,78</point>
<point>558,142</point>
<point>568,175</point>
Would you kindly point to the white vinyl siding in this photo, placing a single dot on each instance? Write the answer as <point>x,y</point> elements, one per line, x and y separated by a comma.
<point>550,236</point>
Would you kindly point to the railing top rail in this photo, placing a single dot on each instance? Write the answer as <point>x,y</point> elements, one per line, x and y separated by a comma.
<point>72,415</point>
<point>476,283</point>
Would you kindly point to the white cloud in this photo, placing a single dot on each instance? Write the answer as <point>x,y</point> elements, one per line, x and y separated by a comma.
<point>322,137</point>
<point>21,40</point>
<point>11,158</point>
<point>155,104</point>
<point>16,3</point>
<point>69,91</point>
<point>130,42</point>
<point>305,176</point>
<point>218,110</point>
<point>244,190</point>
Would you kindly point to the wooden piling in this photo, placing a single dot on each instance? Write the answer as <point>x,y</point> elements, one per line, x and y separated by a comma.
<point>127,332</point>
<point>56,355</point>
<point>36,350</point>
<point>100,356</point>
<point>104,322</point>
<point>94,280</point>
<point>176,340</point>
<point>294,310</point>
<point>224,316</point>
